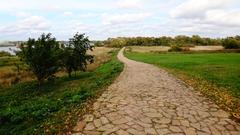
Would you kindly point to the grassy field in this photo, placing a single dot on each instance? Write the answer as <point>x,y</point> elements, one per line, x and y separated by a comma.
<point>55,108</point>
<point>216,74</point>
<point>10,74</point>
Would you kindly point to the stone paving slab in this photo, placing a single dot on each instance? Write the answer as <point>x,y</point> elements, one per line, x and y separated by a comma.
<point>146,100</point>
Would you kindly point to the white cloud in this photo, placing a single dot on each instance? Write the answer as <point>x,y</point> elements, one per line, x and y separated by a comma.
<point>34,23</point>
<point>81,27</point>
<point>206,17</point>
<point>22,14</point>
<point>29,24</point>
<point>52,5</point>
<point>67,13</point>
<point>224,18</point>
<point>124,18</point>
<point>87,15</point>
<point>111,18</point>
<point>129,4</point>
<point>197,8</point>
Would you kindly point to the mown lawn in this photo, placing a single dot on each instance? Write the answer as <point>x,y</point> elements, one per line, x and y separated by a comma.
<point>216,75</point>
<point>222,69</point>
<point>25,109</point>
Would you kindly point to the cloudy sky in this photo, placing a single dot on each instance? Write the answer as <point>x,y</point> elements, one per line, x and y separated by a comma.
<point>100,19</point>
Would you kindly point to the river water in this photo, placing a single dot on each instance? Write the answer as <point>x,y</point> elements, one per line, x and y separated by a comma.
<point>9,49</point>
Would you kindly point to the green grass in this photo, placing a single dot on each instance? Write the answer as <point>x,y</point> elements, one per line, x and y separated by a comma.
<point>25,109</point>
<point>221,69</point>
<point>9,61</point>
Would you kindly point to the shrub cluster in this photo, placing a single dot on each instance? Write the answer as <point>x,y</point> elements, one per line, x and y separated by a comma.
<point>181,40</point>
<point>45,56</point>
<point>231,43</point>
<point>175,48</point>
<point>160,41</point>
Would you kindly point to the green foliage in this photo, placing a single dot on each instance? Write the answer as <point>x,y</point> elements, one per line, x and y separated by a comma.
<point>42,56</point>
<point>161,41</point>
<point>115,42</point>
<point>175,48</point>
<point>231,43</point>
<point>98,44</point>
<point>222,69</point>
<point>3,53</point>
<point>26,110</point>
<point>75,55</point>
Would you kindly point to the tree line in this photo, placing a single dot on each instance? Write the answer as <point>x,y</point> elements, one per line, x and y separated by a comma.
<point>45,55</point>
<point>180,40</point>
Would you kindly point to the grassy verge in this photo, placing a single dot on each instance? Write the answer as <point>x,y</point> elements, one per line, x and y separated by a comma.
<point>26,110</point>
<point>216,75</point>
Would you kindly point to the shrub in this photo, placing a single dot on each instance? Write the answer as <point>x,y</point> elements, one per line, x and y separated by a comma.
<point>231,43</point>
<point>98,44</point>
<point>42,56</point>
<point>75,55</point>
<point>175,48</point>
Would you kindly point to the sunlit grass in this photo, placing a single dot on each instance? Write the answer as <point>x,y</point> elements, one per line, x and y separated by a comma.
<point>217,75</point>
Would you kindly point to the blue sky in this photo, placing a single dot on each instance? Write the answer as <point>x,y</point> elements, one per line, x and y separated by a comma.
<point>100,19</point>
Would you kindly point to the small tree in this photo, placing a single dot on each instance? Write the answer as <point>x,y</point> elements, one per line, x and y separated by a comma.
<point>42,56</point>
<point>75,54</point>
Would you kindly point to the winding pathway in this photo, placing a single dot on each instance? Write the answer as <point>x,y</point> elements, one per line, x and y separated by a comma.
<point>146,100</point>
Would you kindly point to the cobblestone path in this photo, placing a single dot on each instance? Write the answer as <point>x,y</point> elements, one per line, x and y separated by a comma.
<point>145,100</point>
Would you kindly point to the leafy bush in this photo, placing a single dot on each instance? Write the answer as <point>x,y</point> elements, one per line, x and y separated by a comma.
<point>75,55</point>
<point>42,56</point>
<point>175,48</point>
<point>231,43</point>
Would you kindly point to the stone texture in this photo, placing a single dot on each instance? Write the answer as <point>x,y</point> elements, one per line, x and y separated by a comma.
<point>175,129</point>
<point>122,132</point>
<point>97,123</point>
<point>150,131</point>
<point>88,118</point>
<point>89,126</point>
<point>79,127</point>
<point>147,100</point>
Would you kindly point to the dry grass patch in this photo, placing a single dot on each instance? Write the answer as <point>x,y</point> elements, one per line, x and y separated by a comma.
<point>10,77</point>
<point>206,48</point>
<point>101,55</point>
<point>146,49</point>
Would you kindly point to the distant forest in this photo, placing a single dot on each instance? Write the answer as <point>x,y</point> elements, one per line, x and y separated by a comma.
<point>180,40</point>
